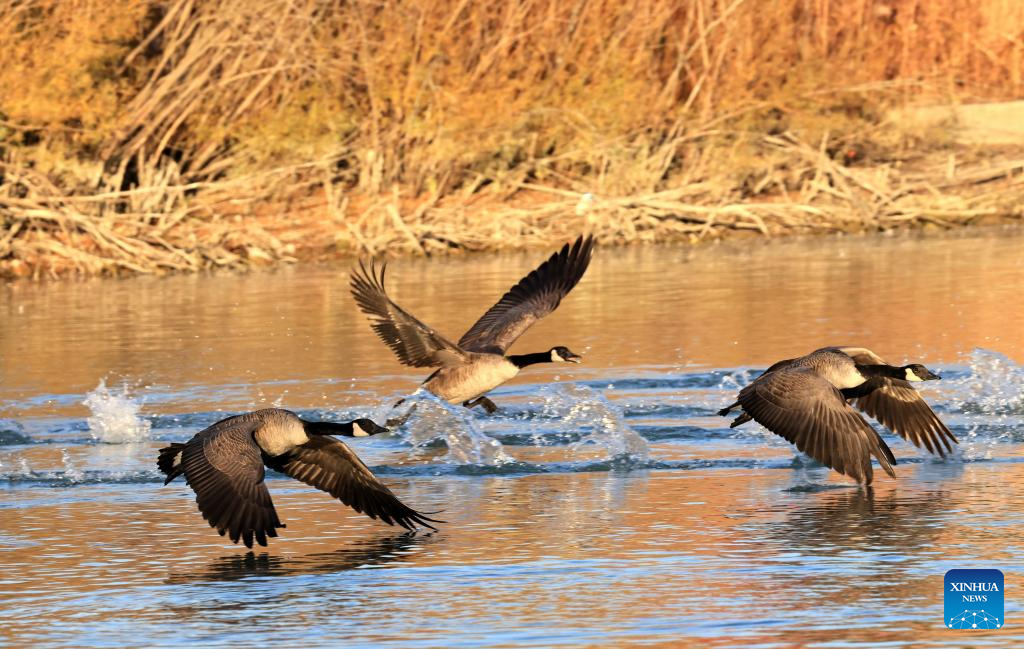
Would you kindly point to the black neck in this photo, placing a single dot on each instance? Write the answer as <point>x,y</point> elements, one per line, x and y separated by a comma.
<point>862,390</point>
<point>327,428</point>
<point>882,370</point>
<point>522,360</point>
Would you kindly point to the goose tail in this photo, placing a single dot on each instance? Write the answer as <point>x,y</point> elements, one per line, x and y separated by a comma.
<point>169,461</point>
<point>724,412</point>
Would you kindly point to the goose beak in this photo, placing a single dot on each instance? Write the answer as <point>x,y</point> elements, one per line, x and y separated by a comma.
<point>573,358</point>
<point>366,428</point>
<point>925,374</point>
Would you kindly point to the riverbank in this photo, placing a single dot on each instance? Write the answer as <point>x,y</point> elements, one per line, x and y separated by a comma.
<point>157,136</point>
<point>801,190</point>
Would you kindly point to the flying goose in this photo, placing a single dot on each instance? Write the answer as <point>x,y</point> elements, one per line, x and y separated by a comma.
<point>224,466</point>
<point>478,363</point>
<point>806,400</point>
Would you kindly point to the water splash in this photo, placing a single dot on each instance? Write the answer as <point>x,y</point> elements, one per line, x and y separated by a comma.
<point>71,473</point>
<point>264,400</point>
<point>72,476</point>
<point>995,385</point>
<point>737,380</point>
<point>15,467</point>
<point>433,421</point>
<point>115,416</point>
<point>975,447</point>
<point>582,407</point>
<point>987,401</point>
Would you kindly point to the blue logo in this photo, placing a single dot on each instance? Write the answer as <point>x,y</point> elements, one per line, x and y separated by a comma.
<point>974,599</point>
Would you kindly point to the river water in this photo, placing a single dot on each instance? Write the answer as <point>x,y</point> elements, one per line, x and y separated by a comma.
<point>604,504</point>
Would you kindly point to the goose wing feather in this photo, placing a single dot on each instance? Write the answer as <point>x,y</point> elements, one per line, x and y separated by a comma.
<point>899,407</point>
<point>224,466</point>
<point>535,296</point>
<point>803,408</point>
<point>328,464</point>
<point>860,355</point>
<point>413,342</point>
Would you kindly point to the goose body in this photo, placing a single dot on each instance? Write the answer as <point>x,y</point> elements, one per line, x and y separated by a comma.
<point>807,401</point>
<point>478,363</point>
<point>471,380</point>
<point>834,366</point>
<point>225,466</point>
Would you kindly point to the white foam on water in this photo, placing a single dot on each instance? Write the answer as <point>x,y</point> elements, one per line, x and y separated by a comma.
<point>434,419</point>
<point>15,467</point>
<point>579,406</point>
<point>115,416</point>
<point>991,396</point>
<point>71,473</point>
<point>975,447</point>
<point>279,401</point>
<point>994,387</point>
<point>736,381</point>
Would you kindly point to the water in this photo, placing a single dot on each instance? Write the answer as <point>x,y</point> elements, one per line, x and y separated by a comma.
<point>604,504</point>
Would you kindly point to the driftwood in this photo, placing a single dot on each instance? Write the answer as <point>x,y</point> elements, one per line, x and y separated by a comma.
<point>166,227</point>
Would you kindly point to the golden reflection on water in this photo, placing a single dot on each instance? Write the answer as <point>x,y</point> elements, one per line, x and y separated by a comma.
<point>716,306</point>
<point>616,557</point>
<point>702,545</point>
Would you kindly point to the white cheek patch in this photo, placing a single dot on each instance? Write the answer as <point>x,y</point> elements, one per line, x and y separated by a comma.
<point>357,430</point>
<point>555,358</point>
<point>911,376</point>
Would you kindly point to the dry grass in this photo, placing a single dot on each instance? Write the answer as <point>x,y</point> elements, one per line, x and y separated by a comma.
<point>818,196</point>
<point>149,136</point>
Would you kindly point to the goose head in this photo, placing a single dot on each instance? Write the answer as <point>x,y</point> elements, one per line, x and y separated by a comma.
<point>365,428</point>
<point>918,372</point>
<point>563,355</point>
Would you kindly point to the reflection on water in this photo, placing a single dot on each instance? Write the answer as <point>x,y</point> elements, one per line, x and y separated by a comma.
<point>890,520</point>
<point>231,342</point>
<point>364,553</point>
<point>604,504</point>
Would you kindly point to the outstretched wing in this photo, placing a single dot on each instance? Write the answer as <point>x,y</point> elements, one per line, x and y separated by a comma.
<point>899,407</point>
<point>535,296</point>
<point>327,464</point>
<point>224,466</point>
<point>861,355</point>
<point>413,342</point>
<point>806,410</point>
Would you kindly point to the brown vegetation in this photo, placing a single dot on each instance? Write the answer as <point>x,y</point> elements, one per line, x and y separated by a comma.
<point>158,135</point>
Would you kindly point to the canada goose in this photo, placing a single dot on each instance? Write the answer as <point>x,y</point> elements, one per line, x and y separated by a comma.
<point>224,466</point>
<point>805,401</point>
<point>478,363</point>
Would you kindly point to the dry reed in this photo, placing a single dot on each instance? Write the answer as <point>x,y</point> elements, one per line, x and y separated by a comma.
<point>173,135</point>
